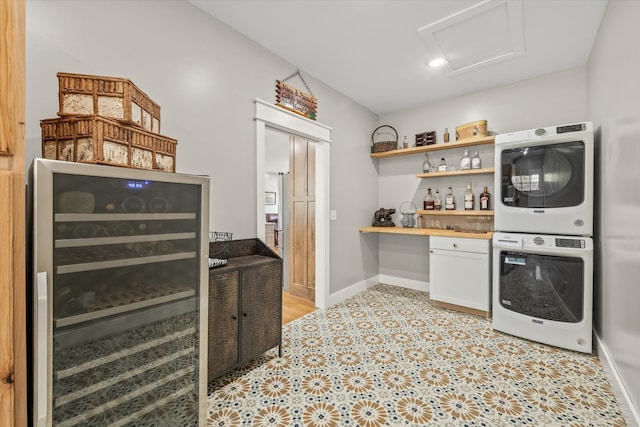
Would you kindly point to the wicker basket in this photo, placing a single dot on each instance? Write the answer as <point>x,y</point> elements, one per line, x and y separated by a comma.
<point>104,141</point>
<point>385,145</point>
<point>116,98</point>
<point>471,130</point>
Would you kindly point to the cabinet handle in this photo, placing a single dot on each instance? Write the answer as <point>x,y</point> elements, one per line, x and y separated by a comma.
<point>244,314</point>
<point>234,317</point>
<point>455,245</point>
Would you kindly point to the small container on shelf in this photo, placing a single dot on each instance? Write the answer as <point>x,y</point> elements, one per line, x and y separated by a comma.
<point>485,200</point>
<point>476,162</point>
<point>442,167</point>
<point>449,200</point>
<point>468,198</point>
<point>425,138</point>
<point>471,130</point>
<point>465,161</point>
<point>408,210</point>
<point>437,202</point>
<point>429,201</point>
<point>426,166</point>
<point>390,141</point>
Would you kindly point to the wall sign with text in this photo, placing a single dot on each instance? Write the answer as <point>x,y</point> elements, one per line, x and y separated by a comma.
<point>295,100</point>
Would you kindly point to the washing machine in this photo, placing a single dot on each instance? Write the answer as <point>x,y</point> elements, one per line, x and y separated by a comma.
<point>543,288</point>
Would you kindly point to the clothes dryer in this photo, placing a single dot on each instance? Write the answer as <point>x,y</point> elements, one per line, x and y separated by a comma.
<point>544,180</point>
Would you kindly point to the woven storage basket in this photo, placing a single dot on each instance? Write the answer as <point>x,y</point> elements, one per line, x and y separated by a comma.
<point>471,130</point>
<point>385,145</point>
<point>116,98</point>
<point>104,141</point>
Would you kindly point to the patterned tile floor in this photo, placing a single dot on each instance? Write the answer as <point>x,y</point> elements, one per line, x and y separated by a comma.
<point>387,357</point>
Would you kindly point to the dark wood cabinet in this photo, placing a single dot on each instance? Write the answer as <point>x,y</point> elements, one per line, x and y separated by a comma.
<point>245,304</point>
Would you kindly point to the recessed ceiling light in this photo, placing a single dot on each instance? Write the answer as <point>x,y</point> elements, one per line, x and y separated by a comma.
<point>437,62</point>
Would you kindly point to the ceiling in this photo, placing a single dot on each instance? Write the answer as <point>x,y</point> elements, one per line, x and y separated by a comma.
<point>375,51</point>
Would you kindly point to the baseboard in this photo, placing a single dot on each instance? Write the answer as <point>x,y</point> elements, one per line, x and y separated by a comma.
<point>627,407</point>
<point>405,283</point>
<point>350,291</point>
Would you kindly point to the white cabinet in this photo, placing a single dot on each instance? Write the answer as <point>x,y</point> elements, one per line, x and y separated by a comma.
<point>460,274</point>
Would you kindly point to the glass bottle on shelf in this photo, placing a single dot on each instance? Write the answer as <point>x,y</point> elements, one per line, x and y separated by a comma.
<point>442,167</point>
<point>475,160</point>
<point>449,200</point>
<point>437,202</point>
<point>429,201</point>
<point>468,198</point>
<point>485,200</point>
<point>426,166</point>
<point>405,143</point>
<point>446,135</point>
<point>465,162</point>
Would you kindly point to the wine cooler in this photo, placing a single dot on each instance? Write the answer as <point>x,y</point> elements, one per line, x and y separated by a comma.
<point>120,296</point>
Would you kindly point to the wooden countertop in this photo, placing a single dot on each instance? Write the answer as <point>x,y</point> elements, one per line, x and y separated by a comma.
<point>428,232</point>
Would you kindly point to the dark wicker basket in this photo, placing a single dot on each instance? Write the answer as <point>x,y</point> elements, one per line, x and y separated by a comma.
<point>387,145</point>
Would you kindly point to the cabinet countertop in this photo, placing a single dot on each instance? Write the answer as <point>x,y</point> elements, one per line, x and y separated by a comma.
<point>488,235</point>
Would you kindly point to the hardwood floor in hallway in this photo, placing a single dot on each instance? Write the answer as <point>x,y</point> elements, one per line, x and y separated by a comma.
<point>294,307</point>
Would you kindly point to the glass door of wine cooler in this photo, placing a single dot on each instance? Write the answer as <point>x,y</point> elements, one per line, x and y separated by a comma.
<point>119,311</point>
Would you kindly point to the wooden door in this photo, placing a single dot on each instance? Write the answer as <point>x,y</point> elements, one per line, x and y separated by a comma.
<point>13,358</point>
<point>302,241</point>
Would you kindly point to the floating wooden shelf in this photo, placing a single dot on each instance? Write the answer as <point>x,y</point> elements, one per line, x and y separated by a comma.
<point>481,140</point>
<point>456,212</point>
<point>458,172</point>
<point>428,232</point>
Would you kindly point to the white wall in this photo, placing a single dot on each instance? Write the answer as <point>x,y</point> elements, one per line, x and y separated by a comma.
<point>205,76</point>
<point>613,94</point>
<point>543,101</point>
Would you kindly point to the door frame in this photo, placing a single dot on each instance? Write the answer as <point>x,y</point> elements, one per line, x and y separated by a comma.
<point>269,115</point>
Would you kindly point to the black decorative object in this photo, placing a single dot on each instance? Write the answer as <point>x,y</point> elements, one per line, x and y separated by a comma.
<point>382,218</point>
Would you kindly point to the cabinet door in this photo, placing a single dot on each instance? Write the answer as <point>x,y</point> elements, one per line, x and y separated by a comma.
<point>460,278</point>
<point>261,310</point>
<point>223,322</point>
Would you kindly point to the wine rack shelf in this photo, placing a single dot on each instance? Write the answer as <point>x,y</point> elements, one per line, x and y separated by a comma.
<point>76,243</point>
<point>127,300</point>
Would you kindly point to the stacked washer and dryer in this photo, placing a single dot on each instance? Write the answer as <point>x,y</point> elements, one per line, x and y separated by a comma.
<point>542,248</point>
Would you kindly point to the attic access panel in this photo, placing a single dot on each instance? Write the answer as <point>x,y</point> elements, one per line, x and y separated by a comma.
<point>488,32</point>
